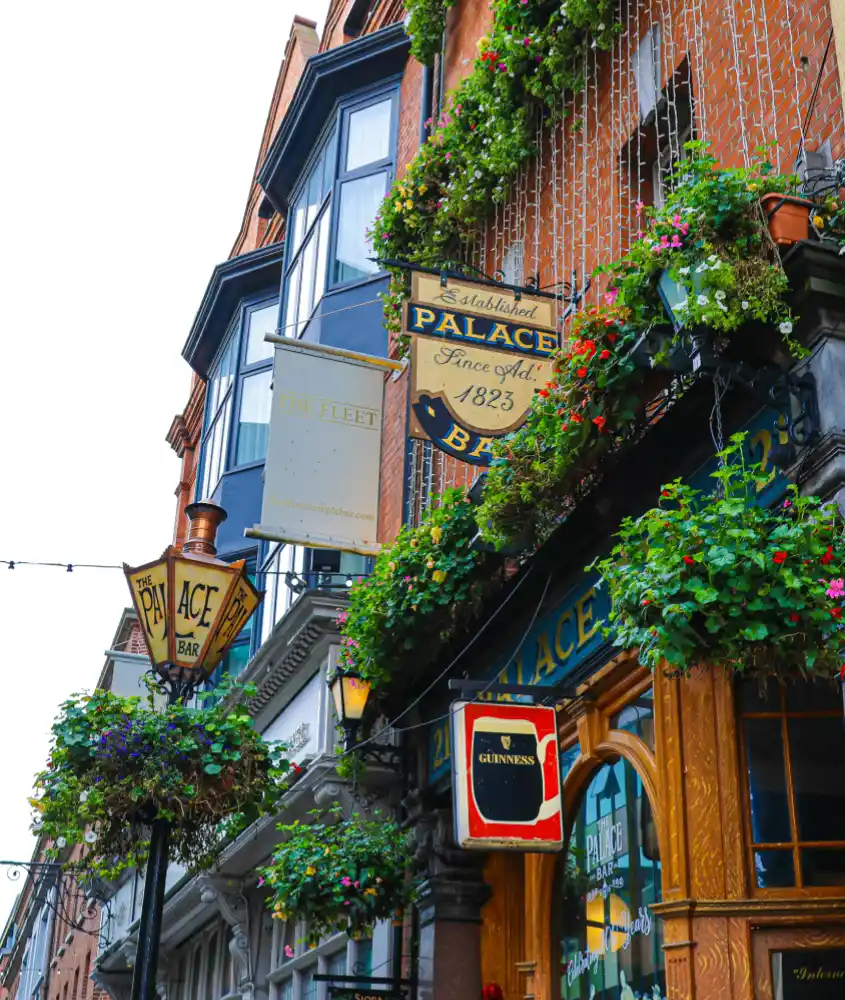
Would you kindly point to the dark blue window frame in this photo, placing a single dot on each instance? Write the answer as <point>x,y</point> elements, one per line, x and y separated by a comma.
<point>226,388</point>
<point>328,158</point>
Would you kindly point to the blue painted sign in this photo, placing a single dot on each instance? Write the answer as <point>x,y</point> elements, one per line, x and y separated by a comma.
<point>564,638</point>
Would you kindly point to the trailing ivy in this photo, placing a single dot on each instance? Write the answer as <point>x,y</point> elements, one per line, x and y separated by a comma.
<point>534,52</point>
<point>337,874</point>
<point>116,763</point>
<point>426,22</point>
<point>424,586</point>
<point>711,238</point>
<point>718,579</point>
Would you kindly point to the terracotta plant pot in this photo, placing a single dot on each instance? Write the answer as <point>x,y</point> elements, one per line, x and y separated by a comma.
<point>788,218</point>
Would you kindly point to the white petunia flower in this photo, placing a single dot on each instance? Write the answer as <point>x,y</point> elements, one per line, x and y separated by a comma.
<point>701,267</point>
<point>715,265</point>
<point>37,827</point>
<point>712,258</point>
<point>702,300</point>
<point>90,837</point>
<point>61,842</point>
<point>786,326</point>
<point>83,796</point>
<point>745,304</point>
<point>723,307</point>
<point>720,296</point>
<point>681,306</point>
<point>684,271</point>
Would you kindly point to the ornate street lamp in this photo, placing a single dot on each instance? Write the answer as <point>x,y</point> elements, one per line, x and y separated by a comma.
<point>191,606</point>
<point>350,693</point>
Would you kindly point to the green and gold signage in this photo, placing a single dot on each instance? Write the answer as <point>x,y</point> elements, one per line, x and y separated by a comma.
<point>478,355</point>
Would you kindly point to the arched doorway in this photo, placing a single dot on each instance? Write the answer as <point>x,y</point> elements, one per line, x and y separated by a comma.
<point>610,944</point>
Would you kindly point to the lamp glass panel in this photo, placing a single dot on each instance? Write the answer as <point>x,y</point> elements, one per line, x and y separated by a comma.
<point>337,695</point>
<point>240,606</point>
<point>148,586</point>
<point>200,591</point>
<point>355,695</point>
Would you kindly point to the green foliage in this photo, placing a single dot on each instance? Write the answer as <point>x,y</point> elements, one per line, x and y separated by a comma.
<point>572,420</point>
<point>422,588</point>
<point>340,874</point>
<point>712,238</point>
<point>426,24</point>
<point>115,763</point>
<point>533,53</point>
<point>721,580</point>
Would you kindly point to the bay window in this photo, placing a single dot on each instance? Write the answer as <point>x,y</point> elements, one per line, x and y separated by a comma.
<point>238,396</point>
<point>335,203</point>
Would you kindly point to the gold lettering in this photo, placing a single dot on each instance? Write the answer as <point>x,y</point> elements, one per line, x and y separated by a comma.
<point>546,342</point>
<point>469,329</point>
<point>422,317</point>
<point>507,758</point>
<point>585,615</point>
<point>563,654</point>
<point>448,325</point>
<point>545,661</point>
<point>517,336</point>
<point>500,333</point>
<point>457,438</point>
<point>482,448</point>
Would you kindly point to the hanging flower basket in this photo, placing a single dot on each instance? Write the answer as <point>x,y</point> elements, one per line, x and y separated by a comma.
<point>116,764</point>
<point>340,874</point>
<point>788,217</point>
<point>718,579</point>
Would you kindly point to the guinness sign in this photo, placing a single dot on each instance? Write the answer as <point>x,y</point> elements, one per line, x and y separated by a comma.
<point>506,777</point>
<point>478,355</point>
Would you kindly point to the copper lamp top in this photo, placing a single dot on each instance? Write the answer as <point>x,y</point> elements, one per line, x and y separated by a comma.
<point>205,517</point>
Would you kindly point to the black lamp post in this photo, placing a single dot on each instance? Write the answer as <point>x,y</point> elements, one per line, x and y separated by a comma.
<point>191,606</point>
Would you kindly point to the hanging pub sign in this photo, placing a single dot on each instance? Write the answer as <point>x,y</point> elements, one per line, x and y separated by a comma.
<point>478,355</point>
<point>506,777</point>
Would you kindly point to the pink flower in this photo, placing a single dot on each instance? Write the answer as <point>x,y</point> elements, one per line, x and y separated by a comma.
<point>539,59</point>
<point>357,886</point>
<point>448,157</point>
<point>787,504</point>
<point>502,67</point>
<point>289,953</point>
<point>676,241</point>
<point>836,588</point>
<point>260,881</point>
<point>526,41</point>
<point>346,881</point>
<point>639,207</point>
<point>610,295</point>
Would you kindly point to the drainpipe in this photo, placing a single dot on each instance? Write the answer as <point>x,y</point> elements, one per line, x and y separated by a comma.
<point>426,110</point>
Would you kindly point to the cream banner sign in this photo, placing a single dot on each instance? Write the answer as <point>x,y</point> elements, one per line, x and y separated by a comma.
<point>321,479</point>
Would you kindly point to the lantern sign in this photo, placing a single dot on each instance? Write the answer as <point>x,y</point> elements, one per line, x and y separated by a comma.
<point>506,777</point>
<point>478,355</point>
<point>190,605</point>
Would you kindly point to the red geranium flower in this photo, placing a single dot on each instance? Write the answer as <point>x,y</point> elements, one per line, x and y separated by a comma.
<point>600,422</point>
<point>605,354</point>
<point>794,616</point>
<point>543,392</point>
<point>581,373</point>
<point>779,558</point>
<point>645,601</point>
<point>689,560</point>
<point>665,493</point>
<point>612,337</point>
<point>836,613</point>
<point>827,557</point>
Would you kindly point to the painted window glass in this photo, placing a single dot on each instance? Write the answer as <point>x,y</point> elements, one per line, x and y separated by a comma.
<point>611,944</point>
<point>638,718</point>
<point>335,203</point>
<point>794,757</point>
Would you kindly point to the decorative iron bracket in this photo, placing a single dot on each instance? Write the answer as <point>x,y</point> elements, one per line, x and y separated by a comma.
<point>76,900</point>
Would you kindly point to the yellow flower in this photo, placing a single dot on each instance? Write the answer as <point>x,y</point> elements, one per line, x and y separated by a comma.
<point>439,575</point>
<point>818,222</point>
<point>436,534</point>
<point>371,892</point>
<point>278,916</point>
<point>409,204</point>
<point>277,906</point>
<point>310,870</point>
<point>430,564</point>
<point>327,852</point>
<point>397,205</point>
<point>423,188</point>
<point>37,804</point>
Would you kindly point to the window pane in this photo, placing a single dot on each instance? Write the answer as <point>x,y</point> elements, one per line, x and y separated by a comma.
<point>260,321</point>
<point>322,257</point>
<point>336,964</point>
<point>637,718</point>
<point>290,328</point>
<point>368,136</point>
<point>253,425</point>
<point>306,288</point>
<point>309,985</point>
<point>224,421</point>
<point>329,164</point>
<point>774,869</point>
<point>359,203</point>
<point>817,748</point>
<point>315,185</point>
<point>364,958</point>
<point>236,659</point>
<point>823,866</point>
<point>210,963</point>
<point>754,698</point>
<point>767,781</point>
<point>299,213</point>
<point>814,696</point>
<point>286,990</point>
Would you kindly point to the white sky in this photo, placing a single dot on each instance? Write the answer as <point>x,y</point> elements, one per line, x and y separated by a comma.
<point>129,137</point>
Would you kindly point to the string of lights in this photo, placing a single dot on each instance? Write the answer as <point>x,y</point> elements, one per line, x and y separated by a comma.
<point>69,567</point>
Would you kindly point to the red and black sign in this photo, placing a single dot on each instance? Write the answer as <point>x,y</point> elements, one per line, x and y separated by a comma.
<point>506,777</point>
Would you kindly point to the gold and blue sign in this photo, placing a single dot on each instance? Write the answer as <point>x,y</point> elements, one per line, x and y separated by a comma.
<point>478,355</point>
